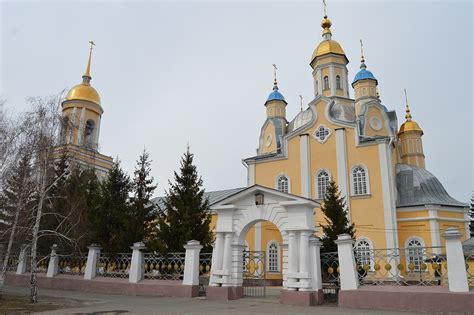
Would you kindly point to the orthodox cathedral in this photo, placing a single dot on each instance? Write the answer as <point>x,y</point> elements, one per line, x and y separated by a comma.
<point>378,164</point>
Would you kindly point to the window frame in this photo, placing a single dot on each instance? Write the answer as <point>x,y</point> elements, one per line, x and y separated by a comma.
<point>278,256</point>
<point>326,83</point>
<point>367,181</point>
<point>370,249</point>
<point>288,183</point>
<point>338,82</point>
<point>421,256</point>
<point>316,182</point>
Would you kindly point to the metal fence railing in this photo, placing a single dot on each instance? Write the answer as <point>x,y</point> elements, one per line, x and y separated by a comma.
<point>114,265</point>
<point>402,266</point>
<point>12,263</point>
<point>42,263</point>
<point>330,275</point>
<point>205,261</point>
<point>72,264</point>
<point>166,266</point>
<point>470,269</point>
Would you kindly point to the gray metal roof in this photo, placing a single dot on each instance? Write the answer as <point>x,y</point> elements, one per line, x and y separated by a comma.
<point>416,186</point>
<point>468,247</point>
<point>214,196</point>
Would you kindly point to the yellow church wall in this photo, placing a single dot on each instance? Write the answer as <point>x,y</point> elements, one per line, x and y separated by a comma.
<point>270,232</point>
<point>269,130</point>
<point>340,91</point>
<point>266,173</point>
<point>375,112</point>
<point>330,59</point>
<point>417,214</point>
<point>420,229</point>
<point>443,225</point>
<point>450,214</point>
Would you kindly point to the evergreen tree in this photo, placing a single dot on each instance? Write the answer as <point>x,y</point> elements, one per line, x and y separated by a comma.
<point>337,222</point>
<point>142,210</point>
<point>185,215</point>
<point>109,219</point>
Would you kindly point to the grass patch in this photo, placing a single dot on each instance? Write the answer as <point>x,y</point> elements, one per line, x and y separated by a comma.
<point>20,304</point>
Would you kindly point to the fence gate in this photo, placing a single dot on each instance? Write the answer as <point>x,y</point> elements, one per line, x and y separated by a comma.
<point>205,260</point>
<point>330,276</point>
<point>254,281</point>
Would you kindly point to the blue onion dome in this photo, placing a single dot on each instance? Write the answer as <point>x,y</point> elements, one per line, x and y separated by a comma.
<point>363,73</point>
<point>275,95</point>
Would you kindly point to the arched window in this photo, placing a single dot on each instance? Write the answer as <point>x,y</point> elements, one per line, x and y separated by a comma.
<point>362,252</point>
<point>322,182</point>
<point>89,134</point>
<point>338,82</point>
<point>326,83</point>
<point>273,257</point>
<point>283,183</point>
<point>414,253</point>
<point>359,181</point>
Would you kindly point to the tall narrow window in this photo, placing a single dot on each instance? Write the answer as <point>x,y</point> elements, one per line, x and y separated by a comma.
<point>362,252</point>
<point>414,252</point>
<point>359,180</point>
<point>273,254</point>
<point>322,182</point>
<point>283,183</point>
<point>338,82</point>
<point>89,134</point>
<point>326,83</point>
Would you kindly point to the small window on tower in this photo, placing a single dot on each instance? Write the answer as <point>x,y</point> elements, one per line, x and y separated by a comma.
<point>326,83</point>
<point>338,82</point>
<point>89,134</point>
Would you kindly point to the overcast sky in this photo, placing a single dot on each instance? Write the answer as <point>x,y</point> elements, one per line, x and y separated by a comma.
<point>173,73</point>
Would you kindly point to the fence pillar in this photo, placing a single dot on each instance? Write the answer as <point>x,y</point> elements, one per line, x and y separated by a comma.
<point>191,263</point>
<point>457,275</point>
<point>21,268</point>
<point>136,266</point>
<point>315,262</point>
<point>53,265</point>
<point>347,266</point>
<point>92,260</point>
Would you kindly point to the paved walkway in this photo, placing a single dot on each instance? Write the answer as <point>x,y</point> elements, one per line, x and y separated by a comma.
<point>94,303</point>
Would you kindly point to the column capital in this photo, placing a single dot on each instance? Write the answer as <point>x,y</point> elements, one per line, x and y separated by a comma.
<point>138,246</point>
<point>452,234</point>
<point>94,246</point>
<point>193,244</point>
<point>316,241</point>
<point>344,239</point>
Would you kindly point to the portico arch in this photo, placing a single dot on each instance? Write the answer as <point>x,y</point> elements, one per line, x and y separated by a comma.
<point>291,214</point>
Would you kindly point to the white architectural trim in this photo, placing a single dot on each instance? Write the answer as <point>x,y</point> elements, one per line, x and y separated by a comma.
<point>341,156</point>
<point>250,174</point>
<point>96,140</point>
<point>289,181</point>
<point>316,184</point>
<point>81,126</point>
<point>388,210</point>
<point>267,252</point>
<point>326,137</point>
<point>432,218</point>
<point>73,125</point>
<point>367,177</point>
<point>258,236</point>
<point>332,80</point>
<point>434,230</point>
<point>305,160</point>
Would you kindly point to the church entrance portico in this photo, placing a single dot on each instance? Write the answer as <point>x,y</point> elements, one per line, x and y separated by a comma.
<point>294,218</point>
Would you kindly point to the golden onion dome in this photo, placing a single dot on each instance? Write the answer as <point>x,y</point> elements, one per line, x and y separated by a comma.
<point>409,124</point>
<point>328,47</point>
<point>84,92</point>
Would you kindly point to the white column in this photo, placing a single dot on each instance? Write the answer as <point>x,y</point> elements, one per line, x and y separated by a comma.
<point>347,266</point>
<point>305,166</point>
<point>434,229</point>
<point>136,266</point>
<point>258,236</point>
<point>227,259</point>
<point>53,266</point>
<point>216,263</point>
<point>72,127</point>
<point>457,275</point>
<point>344,83</point>
<point>332,80</point>
<point>21,268</point>
<point>388,210</point>
<point>81,126</point>
<point>342,173</point>
<point>237,262</point>
<point>292,258</point>
<point>97,131</point>
<point>191,263</point>
<point>284,268</point>
<point>320,81</point>
<point>250,175</point>
<point>315,263</point>
<point>304,267</point>
<point>92,260</point>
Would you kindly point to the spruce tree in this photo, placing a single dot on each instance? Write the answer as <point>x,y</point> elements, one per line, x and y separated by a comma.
<point>337,222</point>
<point>142,210</point>
<point>109,219</point>
<point>185,215</point>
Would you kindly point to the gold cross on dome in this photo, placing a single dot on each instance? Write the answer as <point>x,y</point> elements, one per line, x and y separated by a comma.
<point>301,102</point>
<point>324,7</point>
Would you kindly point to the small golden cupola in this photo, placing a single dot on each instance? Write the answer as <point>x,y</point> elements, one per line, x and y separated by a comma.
<point>410,143</point>
<point>83,111</point>
<point>329,62</point>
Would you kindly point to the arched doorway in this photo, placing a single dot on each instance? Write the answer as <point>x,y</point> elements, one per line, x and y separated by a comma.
<point>292,215</point>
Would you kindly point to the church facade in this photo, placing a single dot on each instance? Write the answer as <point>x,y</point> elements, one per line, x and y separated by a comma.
<point>378,165</point>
